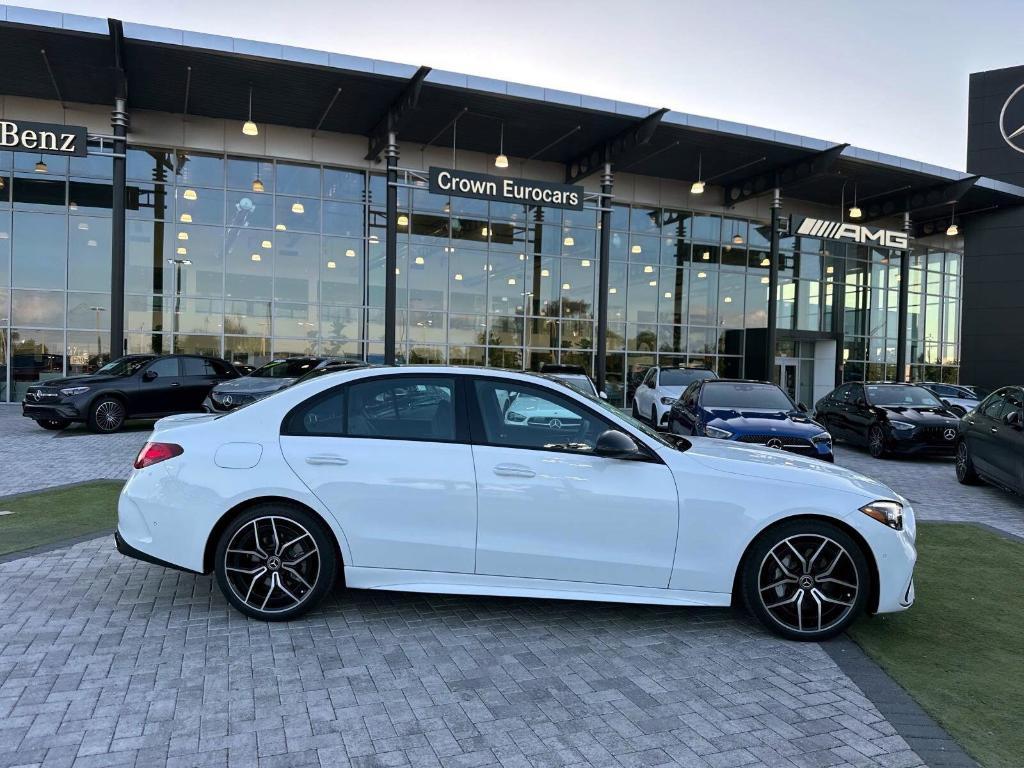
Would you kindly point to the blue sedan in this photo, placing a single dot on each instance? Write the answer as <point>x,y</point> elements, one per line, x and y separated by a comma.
<point>754,412</point>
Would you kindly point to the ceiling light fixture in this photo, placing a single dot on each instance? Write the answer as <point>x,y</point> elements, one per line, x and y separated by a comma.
<point>83,226</point>
<point>952,230</point>
<point>653,283</point>
<point>613,290</point>
<point>511,281</point>
<point>41,165</point>
<point>566,287</point>
<point>458,276</point>
<point>185,218</point>
<point>501,161</point>
<point>183,235</point>
<point>765,280</point>
<point>257,183</point>
<point>545,273</point>
<point>702,275</point>
<point>668,294</point>
<point>648,269</point>
<point>727,300</point>
<point>569,241</point>
<point>350,253</point>
<point>298,207</point>
<point>766,262</point>
<point>636,249</point>
<point>420,260</point>
<point>706,256</point>
<point>266,244</point>
<point>484,232</point>
<point>697,188</point>
<point>855,211</point>
<point>584,262</point>
<point>249,128</point>
<point>331,265</point>
<point>737,239</point>
<point>256,257</point>
<point>190,194</point>
<point>182,250</point>
<point>403,220</point>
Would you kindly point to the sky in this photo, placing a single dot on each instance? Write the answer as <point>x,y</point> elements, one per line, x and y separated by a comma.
<point>890,76</point>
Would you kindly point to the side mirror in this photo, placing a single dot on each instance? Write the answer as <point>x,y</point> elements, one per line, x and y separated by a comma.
<point>801,407</point>
<point>613,444</point>
<point>861,402</point>
<point>946,402</point>
<point>149,375</point>
<point>603,395</point>
<point>1012,419</point>
<point>650,384</point>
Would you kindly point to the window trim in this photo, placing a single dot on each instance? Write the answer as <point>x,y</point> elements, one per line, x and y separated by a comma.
<point>459,412</point>
<point>478,432</point>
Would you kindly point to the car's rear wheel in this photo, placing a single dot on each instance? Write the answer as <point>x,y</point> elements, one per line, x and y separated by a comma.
<point>806,580</point>
<point>53,424</point>
<point>636,411</point>
<point>965,472</point>
<point>654,416</point>
<point>876,442</point>
<point>107,415</point>
<point>275,562</point>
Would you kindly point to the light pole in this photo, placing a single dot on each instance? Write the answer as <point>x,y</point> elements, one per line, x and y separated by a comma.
<point>178,264</point>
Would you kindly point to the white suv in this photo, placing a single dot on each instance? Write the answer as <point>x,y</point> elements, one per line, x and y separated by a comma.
<point>660,388</point>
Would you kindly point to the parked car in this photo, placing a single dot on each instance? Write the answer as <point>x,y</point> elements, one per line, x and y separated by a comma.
<point>131,387</point>
<point>752,412</point>
<point>573,375</point>
<point>265,380</point>
<point>659,390</point>
<point>243,369</point>
<point>889,418</point>
<point>990,444</point>
<point>415,479</point>
<point>959,399</point>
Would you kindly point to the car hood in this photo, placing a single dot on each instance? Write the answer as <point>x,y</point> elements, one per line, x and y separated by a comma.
<point>91,380</point>
<point>253,385</point>
<point>768,464</point>
<point>756,421</point>
<point>925,416</point>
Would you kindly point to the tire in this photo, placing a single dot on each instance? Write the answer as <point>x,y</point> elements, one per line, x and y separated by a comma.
<point>265,584</point>
<point>654,416</point>
<point>636,411</point>
<point>812,593</point>
<point>53,425</point>
<point>107,415</point>
<point>876,442</point>
<point>966,474</point>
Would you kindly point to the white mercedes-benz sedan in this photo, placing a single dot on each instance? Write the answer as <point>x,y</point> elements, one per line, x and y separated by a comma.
<point>487,482</point>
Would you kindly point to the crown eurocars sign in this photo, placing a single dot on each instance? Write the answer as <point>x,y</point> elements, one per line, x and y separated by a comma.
<point>856,233</point>
<point>504,189</point>
<point>43,138</point>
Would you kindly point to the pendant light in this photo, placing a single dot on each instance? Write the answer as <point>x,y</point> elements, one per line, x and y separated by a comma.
<point>403,220</point>
<point>569,241</point>
<point>257,183</point>
<point>953,230</point>
<point>501,161</point>
<point>41,165</point>
<point>249,128</point>
<point>298,207</point>
<point>331,265</point>
<point>697,188</point>
<point>737,239</point>
<point>186,218</point>
<point>3,183</point>
<point>266,245</point>
<point>280,227</point>
<point>190,195</point>
<point>855,211</point>
<point>256,257</point>
<point>350,253</point>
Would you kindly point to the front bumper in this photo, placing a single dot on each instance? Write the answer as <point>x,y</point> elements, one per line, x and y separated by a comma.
<point>56,411</point>
<point>916,443</point>
<point>895,554</point>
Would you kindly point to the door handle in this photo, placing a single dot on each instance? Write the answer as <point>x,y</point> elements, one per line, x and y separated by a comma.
<point>175,383</point>
<point>514,470</point>
<point>995,430</point>
<point>325,459</point>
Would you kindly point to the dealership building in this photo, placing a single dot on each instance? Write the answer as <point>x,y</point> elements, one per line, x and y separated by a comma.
<point>173,191</point>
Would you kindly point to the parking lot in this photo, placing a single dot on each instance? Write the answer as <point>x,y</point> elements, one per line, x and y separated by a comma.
<point>108,661</point>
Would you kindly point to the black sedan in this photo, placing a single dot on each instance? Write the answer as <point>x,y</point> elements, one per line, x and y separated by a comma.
<point>267,379</point>
<point>990,445</point>
<point>131,387</point>
<point>889,418</point>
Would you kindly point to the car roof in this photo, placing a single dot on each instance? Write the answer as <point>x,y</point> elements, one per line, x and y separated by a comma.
<point>738,381</point>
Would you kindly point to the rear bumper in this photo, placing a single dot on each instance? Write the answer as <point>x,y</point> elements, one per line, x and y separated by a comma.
<point>129,551</point>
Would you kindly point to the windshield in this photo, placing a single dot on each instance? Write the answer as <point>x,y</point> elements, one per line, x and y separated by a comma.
<point>737,394</point>
<point>124,366</point>
<point>901,394</point>
<point>677,377</point>
<point>286,369</point>
<point>577,381</point>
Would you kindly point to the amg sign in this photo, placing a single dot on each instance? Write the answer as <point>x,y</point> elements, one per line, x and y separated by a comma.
<point>857,233</point>
<point>502,189</point>
<point>45,138</point>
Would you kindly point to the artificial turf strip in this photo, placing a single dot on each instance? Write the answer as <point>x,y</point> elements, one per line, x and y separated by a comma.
<point>959,651</point>
<point>58,514</point>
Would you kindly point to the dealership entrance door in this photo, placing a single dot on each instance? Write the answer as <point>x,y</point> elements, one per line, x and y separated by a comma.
<point>805,369</point>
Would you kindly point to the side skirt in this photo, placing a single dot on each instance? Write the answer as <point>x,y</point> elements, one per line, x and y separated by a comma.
<point>514,586</point>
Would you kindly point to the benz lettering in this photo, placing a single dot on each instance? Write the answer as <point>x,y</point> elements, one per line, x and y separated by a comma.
<point>40,137</point>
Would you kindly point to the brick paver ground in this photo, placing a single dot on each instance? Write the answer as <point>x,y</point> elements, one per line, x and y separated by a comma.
<point>105,661</point>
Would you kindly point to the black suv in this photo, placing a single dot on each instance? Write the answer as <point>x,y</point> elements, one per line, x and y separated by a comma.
<point>131,387</point>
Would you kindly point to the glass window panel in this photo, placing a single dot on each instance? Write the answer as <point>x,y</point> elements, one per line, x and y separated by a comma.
<point>247,317</point>
<point>541,332</point>
<point>293,347</point>
<point>675,251</point>
<point>579,242</point>
<point>248,209</point>
<point>346,219</point>
<point>809,305</point>
<point>703,301</point>
<point>467,356</point>
<point>375,274</point>
<point>341,278</point>
<point>642,295</point>
<point>617,292</point>
<point>89,253</point>
<point>298,320</point>
<point>342,323</point>
<point>194,316</point>
<point>467,329</point>
<point>578,287</point>
<point>39,245</point>
<point>734,232</point>
<point>340,184</point>
<point>36,355</point>
<point>87,351</point>
<point>733,257</point>
<point>39,194</point>
<point>672,296</point>
<point>297,266</point>
<point>247,351</point>
<point>143,314</point>
<point>468,283</point>
<point>505,331</point>
<point>5,250</point>
<point>618,246</point>
<point>297,214</point>
<point>428,278</point>
<point>147,201</point>
<point>37,308</point>
<point>56,165</point>
<point>644,249</point>
<point>707,229</point>
<point>577,334</point>
<point>671,338</point>
<point>203,274</point>
<point>249,265</point>
<point>96,166</point>
<point>543,284</point>
<point>197,170</point>
<point>86,196</point>
<point>195,205</point>
<point>5,190</point>
<point>704,255</point>
<point>149,164</point>
<point>731,290</point>
<point>244,171</point>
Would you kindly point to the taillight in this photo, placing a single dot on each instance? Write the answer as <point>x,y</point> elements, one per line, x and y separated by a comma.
<point>154,453</point>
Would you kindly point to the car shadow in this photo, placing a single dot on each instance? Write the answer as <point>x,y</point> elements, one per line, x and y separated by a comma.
<point>81,430</point>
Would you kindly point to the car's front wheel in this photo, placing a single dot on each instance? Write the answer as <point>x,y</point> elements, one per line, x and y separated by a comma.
<point>108,414</point>
<point>876,442</point>
<point>53,424</point>
<point>275,562</point>
<point>965,472</point>
<point>654,416</point>
<point>806,580</point>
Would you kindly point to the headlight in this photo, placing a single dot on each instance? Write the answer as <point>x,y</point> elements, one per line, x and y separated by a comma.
<point>900,425</point>
<point>668,400</point>
<point>74,390</point>
<point>824,437</point>
<point>710,431</point>
<point>888,512</point>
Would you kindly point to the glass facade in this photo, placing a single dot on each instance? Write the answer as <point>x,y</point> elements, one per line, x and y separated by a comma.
<point>250,258</point>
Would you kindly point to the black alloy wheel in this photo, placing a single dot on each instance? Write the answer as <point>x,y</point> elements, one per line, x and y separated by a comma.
<point>107,414</point>
<point>275,562</point>
<point>654,416</point>
<point>53,425</point>
<point>806,580</point>
<point>965,472</point>
<point>876,441</point>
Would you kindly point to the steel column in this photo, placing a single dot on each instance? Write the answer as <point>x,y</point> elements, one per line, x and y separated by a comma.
<point>773,287</point>
<point>119,122</point>
<point>391,252</point>
<point>603,266</point>
<point>901,324</point>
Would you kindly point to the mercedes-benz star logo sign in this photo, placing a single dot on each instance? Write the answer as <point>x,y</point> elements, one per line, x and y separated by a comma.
<point>949,433</point>
<point>555,424</point>
<point>1013,134</point>
<point>775,443</point>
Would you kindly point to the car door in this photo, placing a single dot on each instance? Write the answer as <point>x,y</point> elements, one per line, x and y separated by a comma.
<point>833,411</point>
<point>551,509</point>
<point>198,377</point>
<point>390,457</point>
<point>858,416</point>
<point>686,412</point>
<point>991,452</point>
<point>644,397</point>
<point>159,389</point>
